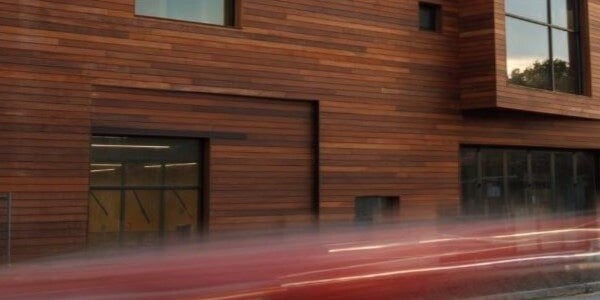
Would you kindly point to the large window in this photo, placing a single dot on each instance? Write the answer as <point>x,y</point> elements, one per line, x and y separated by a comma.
<point>143,189</point>
<point>521,182</point>
<point>216,12</point>
<point>543,44</point>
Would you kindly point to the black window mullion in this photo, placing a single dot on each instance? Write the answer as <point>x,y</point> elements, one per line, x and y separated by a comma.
<point>553,181</point>
<point>162,207</point>
<point>580,72</point>
<point>122,202</point>
<point>577,32</point>
<point>538,22</point>
<point>552,77</point>
<point>508,205</point>
<point>529,186</point>
<point>479,199</point>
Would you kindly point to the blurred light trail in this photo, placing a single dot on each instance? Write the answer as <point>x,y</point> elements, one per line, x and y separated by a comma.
<point>445,268</point>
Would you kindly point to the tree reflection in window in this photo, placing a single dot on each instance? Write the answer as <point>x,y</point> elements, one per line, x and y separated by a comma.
<point>543,50</point>
<point>538,75</point>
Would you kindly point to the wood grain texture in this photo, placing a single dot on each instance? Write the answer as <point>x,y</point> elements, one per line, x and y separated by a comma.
<point>390,118</point>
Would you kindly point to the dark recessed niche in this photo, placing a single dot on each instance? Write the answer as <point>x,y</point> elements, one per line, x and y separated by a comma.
<point>430,17</point>
<point>376,209</point>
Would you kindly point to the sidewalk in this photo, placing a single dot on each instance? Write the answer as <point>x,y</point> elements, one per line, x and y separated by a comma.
<point>582,297</point>
<point>585,291</point>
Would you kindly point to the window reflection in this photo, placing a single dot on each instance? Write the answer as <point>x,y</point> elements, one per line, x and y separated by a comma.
<point>563,13</point>
<point>585,181</point>
<point>517,181</point>
<point>470,182</point>
<point>493,180</point>
<point>566,58</point>
<point>543,52</point>
<point>528,54</point>
<point>526,182</point>
<point>218,12</point>
<point>565,189</point>
<point>540,193</point>
<point>531,9</point>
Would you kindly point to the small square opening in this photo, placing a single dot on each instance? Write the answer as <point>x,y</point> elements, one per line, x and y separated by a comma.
<point>430,17</point>
<point>376,209</point>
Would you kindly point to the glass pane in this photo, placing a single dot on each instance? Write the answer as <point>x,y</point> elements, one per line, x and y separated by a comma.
<point>156,167</point>
<point>142,217</point>
<point>563,177</point>
<point>517,182</point>
<point>541,183</point>
<point>204,11</point>
<point>531,9</point>
<point>181,211</point>
<point>109,149</point>
<point>566,61</point>
<point>528,54</point>
<point>585,183</point>
<point>181,174</point>
<point>563,13</point>
<point>104,217</point>
<point>469,182</point>
<point>492,164</point>
<point>143,174</point>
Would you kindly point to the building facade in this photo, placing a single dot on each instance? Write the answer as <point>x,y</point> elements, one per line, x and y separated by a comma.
<point>122,121</point>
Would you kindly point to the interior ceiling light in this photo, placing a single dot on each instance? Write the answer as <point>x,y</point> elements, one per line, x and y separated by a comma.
<point>170,165</point>
<point>106,165</point>
<point>102,170</point>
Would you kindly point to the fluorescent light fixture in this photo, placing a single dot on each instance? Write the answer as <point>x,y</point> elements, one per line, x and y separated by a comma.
<point>153,166</point>
<point>102,170</point>
<point>160,147</point>
<point>180,165</point>
<point>170,165</point>
<point>107,165</point>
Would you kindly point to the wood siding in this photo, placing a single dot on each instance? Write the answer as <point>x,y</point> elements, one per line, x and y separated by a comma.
<point>477,44</point>
<point>388,96</point>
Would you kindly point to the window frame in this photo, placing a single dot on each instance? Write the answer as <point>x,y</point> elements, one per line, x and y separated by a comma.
<point>576,30</point>
<point>201,186</point>
<point>232,16</point>
<point>594,202</point>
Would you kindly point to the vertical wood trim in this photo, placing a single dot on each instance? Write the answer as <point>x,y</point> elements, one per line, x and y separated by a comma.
<point>585,48</point>
<point>205,183</point>
<point>237,13</point>
<point>316,165</point>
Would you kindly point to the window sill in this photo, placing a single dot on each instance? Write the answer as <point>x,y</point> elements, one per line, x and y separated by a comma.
<point>550,92</point>
<point>196,23</point>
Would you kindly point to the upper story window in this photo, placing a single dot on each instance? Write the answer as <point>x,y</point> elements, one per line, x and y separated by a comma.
<point>216,12</point>
<point>543,44</point>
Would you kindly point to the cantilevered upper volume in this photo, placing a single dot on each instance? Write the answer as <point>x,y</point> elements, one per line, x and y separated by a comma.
<point>530,56</point>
